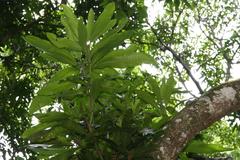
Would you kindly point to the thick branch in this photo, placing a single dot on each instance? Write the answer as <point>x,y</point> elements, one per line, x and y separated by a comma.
<point>197,116</point>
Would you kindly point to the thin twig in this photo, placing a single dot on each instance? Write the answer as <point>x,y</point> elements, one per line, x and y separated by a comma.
<point>183,83</point>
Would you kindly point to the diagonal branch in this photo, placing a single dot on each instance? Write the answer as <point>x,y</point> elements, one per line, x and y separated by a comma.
<point>164,47</point>
<point>195,117</point>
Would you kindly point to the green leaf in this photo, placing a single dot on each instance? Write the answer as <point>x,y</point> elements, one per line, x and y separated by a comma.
<point>146,97</point>
<point>47,94</point>
<point>124,58</point>
<point>183,156</point>
<point>59,55</point>
<point>64,43</point>
<point>63,74</point>
<point>35,129</point>
<point>158,122</point>
<point>68,12</point>
<point>177,4</point>
<point>67,154</point>
<point>205,148</point>
<point>106,45</point>
<point>103,21</point>
<point>50,90</point>
<point>154,87</point>
<point>51,116</point>
<point>59,153</point>
<point>188,4</point>
<point>167,89</point>
<point>72,126</point>
<point>70,23</point>
<point>82,33</point>
<point>168,2</point>
<point>121,24</point>
<point>90,23</point>
<point>40,101</point>
<point>56,134</point>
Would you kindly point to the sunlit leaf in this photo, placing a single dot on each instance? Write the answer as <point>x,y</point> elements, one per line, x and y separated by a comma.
<point>104,46</point>
<point>31,131</point>
<point>59,55</point>
<point>82,33</point>
<point>167,89</point>
<point>64,43</point>
<point>70,23</point>
<point>103,20</point>
<point>50,90</point>
<point>90,23</point>
<point>202,147</point>
<point>124,58</point>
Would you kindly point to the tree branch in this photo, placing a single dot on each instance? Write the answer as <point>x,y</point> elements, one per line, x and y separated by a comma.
<point>195,117</point>
<point>165,47</point>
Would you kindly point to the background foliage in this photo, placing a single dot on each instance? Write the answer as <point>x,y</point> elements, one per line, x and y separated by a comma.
<point>172,39</point>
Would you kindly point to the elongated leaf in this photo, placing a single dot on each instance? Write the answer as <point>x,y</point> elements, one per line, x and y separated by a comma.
<point>60,55</point>
<point>68,12</point>
<point>102,21</point>
<point>147,97</point>
<point>82,33</point>
<point>50,90</point>
<point>49,151</point>
<point>55,133</point>
<point>177,4</point>
<point>124,58</point>
<point>70,23</point>
<point>40,101</point>
<point>121,24</point>
<point>31,131</point>
<point>72,126</point>
<point>67,154</point>
<point>167,89</point>
<point>47,94</point>
<point>155,87</point>
<point>55,87</point>
<point>201,147</point>
<point>63,42</point>
<point>51,117</point>
<point>90,23</point>
<point>63,74</point>
<point>70,26</point>
<point>107,44</point>
<point>109,25</point>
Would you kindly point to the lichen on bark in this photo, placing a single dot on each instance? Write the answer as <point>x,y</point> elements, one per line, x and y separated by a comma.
<point>198,115</point>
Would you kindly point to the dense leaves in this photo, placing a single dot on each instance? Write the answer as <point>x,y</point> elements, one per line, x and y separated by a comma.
<point>102,116</point>
<point>93,101</point>
<point>22,71</point>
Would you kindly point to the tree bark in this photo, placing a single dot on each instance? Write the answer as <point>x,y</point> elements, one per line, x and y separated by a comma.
<point>195,117</point>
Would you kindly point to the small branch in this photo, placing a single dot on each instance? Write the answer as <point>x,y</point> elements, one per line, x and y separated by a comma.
<point>183,83</point>
<point>180,60</point>
<point>175,24</point>
<point>177,58</point>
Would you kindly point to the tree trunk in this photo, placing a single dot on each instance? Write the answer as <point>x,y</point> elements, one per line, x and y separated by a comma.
<point>195,117</point>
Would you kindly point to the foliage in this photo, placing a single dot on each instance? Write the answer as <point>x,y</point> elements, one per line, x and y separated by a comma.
<point>22,70</point>
<point>97,111</point>
<point>193,41</point>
